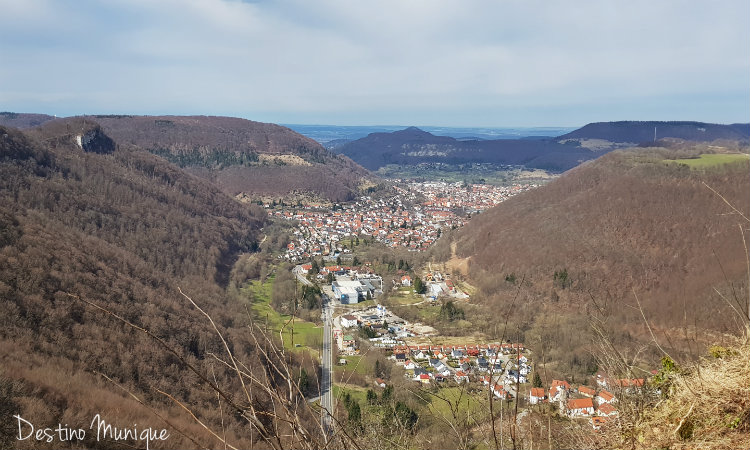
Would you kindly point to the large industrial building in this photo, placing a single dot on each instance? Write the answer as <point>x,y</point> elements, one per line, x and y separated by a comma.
<point>352,291</point>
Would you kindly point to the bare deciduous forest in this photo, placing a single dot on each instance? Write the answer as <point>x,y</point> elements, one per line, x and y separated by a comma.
<point>123,231</point>
<point>632,223</point>
<point>99,240</point>
<point>183,139</point>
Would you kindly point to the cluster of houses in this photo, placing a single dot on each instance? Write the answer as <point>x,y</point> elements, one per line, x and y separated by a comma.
<point>598,404</point>
<point>392,221</point>
<point>503,367</point>
<point>390,329</point>
<point>437,284</point>
<point>463,363</point>
<point>472,198</point>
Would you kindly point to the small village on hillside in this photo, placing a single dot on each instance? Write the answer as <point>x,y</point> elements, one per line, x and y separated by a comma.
<point>506,369</point>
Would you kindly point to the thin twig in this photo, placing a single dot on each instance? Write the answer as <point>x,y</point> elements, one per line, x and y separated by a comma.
<point>241,411</point>
<point>726,201</point>
<point>640,308</point>
<point>196,418</point>
<point>150,408</point>
<point>221,413</point>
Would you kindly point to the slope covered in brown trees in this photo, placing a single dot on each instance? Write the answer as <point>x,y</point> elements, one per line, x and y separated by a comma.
<point>124,230</point>
<point>23,120</point>
<point>241,156</point>
<point>630,223</point>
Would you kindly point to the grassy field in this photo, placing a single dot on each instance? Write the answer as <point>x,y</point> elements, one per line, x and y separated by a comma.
<point>428,313</point>
<point>353,364</point>
<point>306,334</point>
<point>474,404</point>
<point>355,392</point>
<point>708,161</point>
<point>404,296</point>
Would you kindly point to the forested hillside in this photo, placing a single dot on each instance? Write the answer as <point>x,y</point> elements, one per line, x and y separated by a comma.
<point>23,120</point>
<point>124,230</point>
<point>632,223</point>
<point>241,156</point>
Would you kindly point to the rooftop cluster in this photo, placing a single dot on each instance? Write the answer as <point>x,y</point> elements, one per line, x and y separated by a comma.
<point>412,218</point>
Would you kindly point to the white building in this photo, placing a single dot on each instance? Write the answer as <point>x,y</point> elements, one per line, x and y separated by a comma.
<point>348,321</point>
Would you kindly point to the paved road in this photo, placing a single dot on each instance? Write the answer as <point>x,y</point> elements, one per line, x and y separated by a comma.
<point>326,385</point>
<point>299,273</point>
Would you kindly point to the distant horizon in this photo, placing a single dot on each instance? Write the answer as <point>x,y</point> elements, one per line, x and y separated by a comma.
<point>445,62</point>
<point>373,125</point>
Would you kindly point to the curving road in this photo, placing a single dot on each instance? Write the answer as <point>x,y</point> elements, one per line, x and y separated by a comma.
<point>300,274</point>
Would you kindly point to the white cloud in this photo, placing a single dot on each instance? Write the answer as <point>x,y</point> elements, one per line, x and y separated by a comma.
<point>453,61</point>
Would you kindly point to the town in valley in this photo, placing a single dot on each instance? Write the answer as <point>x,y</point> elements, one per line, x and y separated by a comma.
<point>413,217</point>
<point>415,213</point>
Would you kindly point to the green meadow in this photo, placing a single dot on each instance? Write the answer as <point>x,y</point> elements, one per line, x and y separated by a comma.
<point>307,335</point>
<point>709,161</point>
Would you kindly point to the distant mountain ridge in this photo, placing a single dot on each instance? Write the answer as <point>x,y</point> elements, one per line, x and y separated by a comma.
<point>326,134</point>
<point>23,120</point>
<point>639,132</point>
<point>414,146</point>
<point>240,156</point>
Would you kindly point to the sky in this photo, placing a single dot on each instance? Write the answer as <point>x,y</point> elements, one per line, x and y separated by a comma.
<point>388,62</point>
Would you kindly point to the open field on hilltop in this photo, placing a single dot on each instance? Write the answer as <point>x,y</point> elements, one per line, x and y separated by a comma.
<point>711,160</point>
<point>404,296</point>
<point>306,334</point>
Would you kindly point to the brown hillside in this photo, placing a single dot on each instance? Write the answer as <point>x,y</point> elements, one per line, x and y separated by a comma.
<point>626,222</point>
<point>232,148</point>
<point>23,120</point>
<point>123,230</point>
<point>187,133</point>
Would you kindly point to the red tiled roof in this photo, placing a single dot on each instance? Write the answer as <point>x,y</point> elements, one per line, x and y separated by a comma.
<point>580,403</point>
<point>586,390</point>
<point>638,382</point>
<point>607,409</point>
<point>606,395</point>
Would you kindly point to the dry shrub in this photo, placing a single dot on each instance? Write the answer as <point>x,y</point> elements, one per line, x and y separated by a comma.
<point>708,407</point>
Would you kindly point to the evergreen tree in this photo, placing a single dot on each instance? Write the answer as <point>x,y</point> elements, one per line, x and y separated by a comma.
<point>537,380</point>
<point>387,394</point>
<point>419,286</point>
<point>355,413</point>
<point>304,381</point>
<point>372,397</point>
<point>450,312</point>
